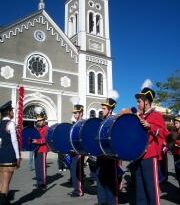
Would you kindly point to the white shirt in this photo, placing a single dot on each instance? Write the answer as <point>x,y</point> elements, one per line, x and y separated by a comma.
<point>11,127</point>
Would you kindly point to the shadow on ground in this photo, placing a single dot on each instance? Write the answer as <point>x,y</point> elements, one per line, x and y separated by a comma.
<point>170,192</point>
<point>35,193</point>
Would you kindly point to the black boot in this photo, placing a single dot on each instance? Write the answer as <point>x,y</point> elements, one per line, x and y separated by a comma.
<point>7,201</point>
<point>4,200</point>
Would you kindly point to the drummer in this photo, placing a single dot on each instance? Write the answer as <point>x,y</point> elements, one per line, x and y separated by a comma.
<point>146,168</point>
<point>41,152</point>
<point>77,161</point>
<point>107,180</point>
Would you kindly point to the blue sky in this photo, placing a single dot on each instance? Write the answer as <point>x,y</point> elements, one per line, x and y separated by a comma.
<point>145,39</point>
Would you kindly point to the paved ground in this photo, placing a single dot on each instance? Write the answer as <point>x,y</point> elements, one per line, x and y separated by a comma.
<point>23,191</point>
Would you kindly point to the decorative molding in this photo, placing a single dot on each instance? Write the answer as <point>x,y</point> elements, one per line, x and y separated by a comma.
<point>91,35</point>
<point>93,96</point>
<point>37,95</point>
<point>96,60</point>
<point>38,88</point>
<point>37,81</point>
<point>7,72</point>
<point>73,7</point>
<point>8,85</point>
<point>65,82</point>
<point>64,71</point>
<point>95,45</point>
<point>42,20</point>
<point>11,61</point>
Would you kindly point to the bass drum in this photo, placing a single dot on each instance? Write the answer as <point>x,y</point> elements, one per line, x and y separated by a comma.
<point>84,136</point>
<point>28,134</point>
<point>58,138</point>
<point>75,140</point>
<point>123,137</point>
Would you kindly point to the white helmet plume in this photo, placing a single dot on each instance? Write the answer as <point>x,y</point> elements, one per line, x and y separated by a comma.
<point>113,94</point>
<point>147,84</point>
<point>75,100</point>
<point>38,110</point>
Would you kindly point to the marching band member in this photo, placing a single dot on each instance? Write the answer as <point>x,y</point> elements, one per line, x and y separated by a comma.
<point>107,180</point>
<point>176,152</point>
<point>41,152</point>
<point>146,168</point>
<point>77,161</point>
<point>9,150</point>
<point>174,141</point>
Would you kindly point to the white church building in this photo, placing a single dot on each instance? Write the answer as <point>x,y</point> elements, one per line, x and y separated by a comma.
<point>54,65</point>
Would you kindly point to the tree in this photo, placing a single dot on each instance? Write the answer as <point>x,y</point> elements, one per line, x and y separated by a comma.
<point>168,93</point>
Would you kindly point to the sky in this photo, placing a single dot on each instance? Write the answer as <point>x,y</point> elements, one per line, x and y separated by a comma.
<point>145,39</point>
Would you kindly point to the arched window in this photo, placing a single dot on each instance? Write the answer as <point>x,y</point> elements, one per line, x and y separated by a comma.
<point>92,114</point>
<point>98,24</point>
<point>92,82</point>
<point>100,84</point>
<point>91,22</point>
<point>100,115</point>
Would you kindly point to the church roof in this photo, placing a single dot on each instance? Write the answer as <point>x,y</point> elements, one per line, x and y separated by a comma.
<point>40,17</point>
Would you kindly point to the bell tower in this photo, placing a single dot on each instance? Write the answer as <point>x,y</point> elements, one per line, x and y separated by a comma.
<point>87,25</point>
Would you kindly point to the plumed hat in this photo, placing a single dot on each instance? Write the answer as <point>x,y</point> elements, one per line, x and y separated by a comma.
<point>111,100</point>
<point>147,93</point>
<point>78,108</point>
<point>177,118</point>
<point>40,117</point>
<point>111,103</point>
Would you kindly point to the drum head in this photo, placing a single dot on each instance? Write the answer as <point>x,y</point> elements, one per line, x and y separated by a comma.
<point>89,136</point>
<point>60,141</point>
<point>49,138</point>
<point>76,143</point>
<point>29,133</point>
<point>104,136</point>
<point>128,137</point>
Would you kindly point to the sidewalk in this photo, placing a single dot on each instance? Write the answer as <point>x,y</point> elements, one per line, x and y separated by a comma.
<point>23,192</point>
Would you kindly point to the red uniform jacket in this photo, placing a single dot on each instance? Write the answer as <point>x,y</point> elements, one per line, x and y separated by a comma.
<point>156,134</point>
<point>42,146</point>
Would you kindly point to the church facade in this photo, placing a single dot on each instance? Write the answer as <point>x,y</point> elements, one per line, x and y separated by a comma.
<point>53,66</point>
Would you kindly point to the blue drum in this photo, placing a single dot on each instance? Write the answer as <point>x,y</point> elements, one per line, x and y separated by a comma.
<point>123,136</point>
<point>28,134</point>
<point>84,136</point>
<point>76,143</point>
<point>58,138</point>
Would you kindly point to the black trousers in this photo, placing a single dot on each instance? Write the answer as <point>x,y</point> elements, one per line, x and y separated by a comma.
<point>177,167</point>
